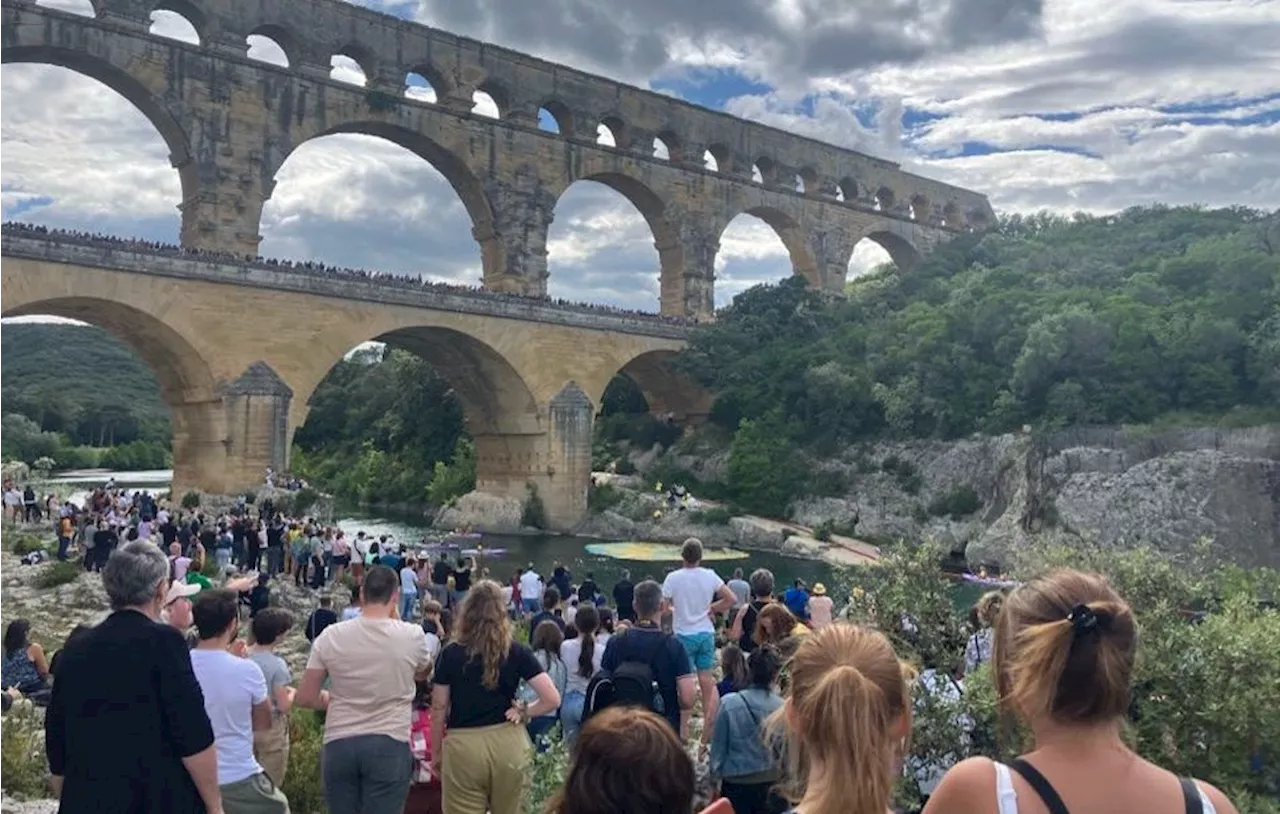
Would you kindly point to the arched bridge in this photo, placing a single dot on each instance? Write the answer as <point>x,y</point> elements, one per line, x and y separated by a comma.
<point>231,121</point>
<point>238,349</point>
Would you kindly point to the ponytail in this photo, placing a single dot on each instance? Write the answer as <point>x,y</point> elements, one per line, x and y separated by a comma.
<point>586,621</point>
<point>847,707</point>
<point>1064,648</point>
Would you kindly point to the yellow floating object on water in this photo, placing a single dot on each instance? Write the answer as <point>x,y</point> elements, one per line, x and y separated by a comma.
<point>659,552</point>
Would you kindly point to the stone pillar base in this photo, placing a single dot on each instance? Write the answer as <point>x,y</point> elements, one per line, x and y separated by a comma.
<point>554,465</point>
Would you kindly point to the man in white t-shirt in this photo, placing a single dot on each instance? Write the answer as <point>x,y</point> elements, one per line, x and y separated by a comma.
<point>531,589</point>
<point>235,699</point>
<point>372,663</point>
<point>693,594</point>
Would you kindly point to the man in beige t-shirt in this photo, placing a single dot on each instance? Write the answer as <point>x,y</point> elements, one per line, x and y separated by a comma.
<point>372,663</point>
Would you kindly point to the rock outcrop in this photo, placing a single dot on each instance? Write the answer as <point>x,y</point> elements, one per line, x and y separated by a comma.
<point>1110,486</point>
<point>482,512</point>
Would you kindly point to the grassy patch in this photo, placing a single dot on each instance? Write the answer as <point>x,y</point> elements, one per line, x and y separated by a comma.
<point>21,543</point>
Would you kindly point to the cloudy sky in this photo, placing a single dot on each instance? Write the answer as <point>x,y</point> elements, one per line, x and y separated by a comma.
<point>1063,105</point>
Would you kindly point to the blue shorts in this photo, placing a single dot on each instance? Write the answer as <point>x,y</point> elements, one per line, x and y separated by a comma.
<point>701,648</point>
<point>531,605</point>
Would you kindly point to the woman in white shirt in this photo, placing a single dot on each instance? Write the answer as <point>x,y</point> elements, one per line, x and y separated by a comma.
<point>582,654</point>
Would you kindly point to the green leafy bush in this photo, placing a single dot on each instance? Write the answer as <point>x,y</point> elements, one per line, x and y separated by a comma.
<point>302,784</point>
<point>823,531</point>
<point>191,500</point>
<point>23,767</point>
<point>59,573</point>
<point>1199,713</point>
<point>26,543</point>
<point>547,772</point>
<point>304,499</point>
<point>957,503</point>
<point>456,478</point>
<point>604,497</point>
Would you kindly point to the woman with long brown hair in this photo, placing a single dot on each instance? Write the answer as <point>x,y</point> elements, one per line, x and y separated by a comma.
<point>482,761</point>
<point>626,760</point>
<point>846,720</point>
<point>1065,645</point>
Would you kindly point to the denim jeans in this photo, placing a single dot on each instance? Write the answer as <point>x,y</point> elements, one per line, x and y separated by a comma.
<point>571,713</point>
<point>275,560</point>
<point>407,603</point>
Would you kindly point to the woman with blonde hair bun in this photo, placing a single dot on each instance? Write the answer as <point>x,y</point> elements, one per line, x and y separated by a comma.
<point>847,720</point>
<point>1065,645</point>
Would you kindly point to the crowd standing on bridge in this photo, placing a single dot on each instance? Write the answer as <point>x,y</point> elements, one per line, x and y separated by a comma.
<point>409,281</point>
<point>433,704</point>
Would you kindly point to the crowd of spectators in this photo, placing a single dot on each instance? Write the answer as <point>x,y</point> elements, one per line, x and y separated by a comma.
<point>399,280</point>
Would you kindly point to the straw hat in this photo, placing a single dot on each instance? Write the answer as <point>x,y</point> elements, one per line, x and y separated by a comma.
<point>819,589</point>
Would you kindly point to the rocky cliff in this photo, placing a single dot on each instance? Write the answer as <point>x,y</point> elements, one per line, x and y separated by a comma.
<point>985,496</point>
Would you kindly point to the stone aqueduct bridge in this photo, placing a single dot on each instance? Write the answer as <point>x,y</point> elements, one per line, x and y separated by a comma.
<point>231,121</point>
<point>238,349</point>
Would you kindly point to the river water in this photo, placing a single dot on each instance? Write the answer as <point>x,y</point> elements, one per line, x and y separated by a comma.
<point>543,550</point>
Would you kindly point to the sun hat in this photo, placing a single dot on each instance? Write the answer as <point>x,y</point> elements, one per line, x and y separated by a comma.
<point>178,590</point>
<point>819,589</point>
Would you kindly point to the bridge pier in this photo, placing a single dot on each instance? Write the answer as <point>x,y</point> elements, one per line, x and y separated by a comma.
<point>556,464</point>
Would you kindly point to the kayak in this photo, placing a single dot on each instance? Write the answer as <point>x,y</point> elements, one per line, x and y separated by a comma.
<point>483,552</point>
<point>465,535</point>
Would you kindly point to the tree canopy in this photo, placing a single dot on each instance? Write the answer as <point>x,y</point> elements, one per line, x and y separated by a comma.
<point>1148,315</point>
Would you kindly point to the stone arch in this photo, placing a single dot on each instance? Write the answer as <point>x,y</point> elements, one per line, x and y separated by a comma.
<point>951,217</point>
<point>498,92</point>
<point>885,199</point>
<point>668,392</point>
<point>803,260</point>
<point>807,181</point>
<point>180,369</point>
<point>282,36</point>
<point>904,253</point>
<point>920,208</point>
<point>847,189</point>
<point>455,170</point>
<point>617,131</point>
<point>561,114</point>
<point>187,383</point>
<point>437,78</point>
<point>654,210</point>
<point>363,56</point>
<point>76,7</point>
<point>494,396</point>
<point>764,170</point>
<point>671,142</point>
<point>138,94</point>
<point>721,155</point>
<point>187,11</point>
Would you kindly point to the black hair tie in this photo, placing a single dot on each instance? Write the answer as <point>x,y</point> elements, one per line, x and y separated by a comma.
<point>1084,620</point>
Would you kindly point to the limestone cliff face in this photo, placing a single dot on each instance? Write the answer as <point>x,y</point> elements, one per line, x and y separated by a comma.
<point>1113,487</point>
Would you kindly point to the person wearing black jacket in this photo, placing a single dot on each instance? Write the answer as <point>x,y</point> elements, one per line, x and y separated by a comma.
<point>111,748</point>
<point>320,619</point>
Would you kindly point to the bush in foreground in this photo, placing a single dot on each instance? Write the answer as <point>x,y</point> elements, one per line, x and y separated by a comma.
<point>1197,709</point>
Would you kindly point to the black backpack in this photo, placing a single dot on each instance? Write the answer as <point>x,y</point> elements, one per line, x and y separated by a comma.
<point>631,684</point>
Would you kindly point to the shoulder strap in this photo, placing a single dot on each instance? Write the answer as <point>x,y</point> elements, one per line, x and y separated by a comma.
<point>1042,787</point>
<point>1191,796</point>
